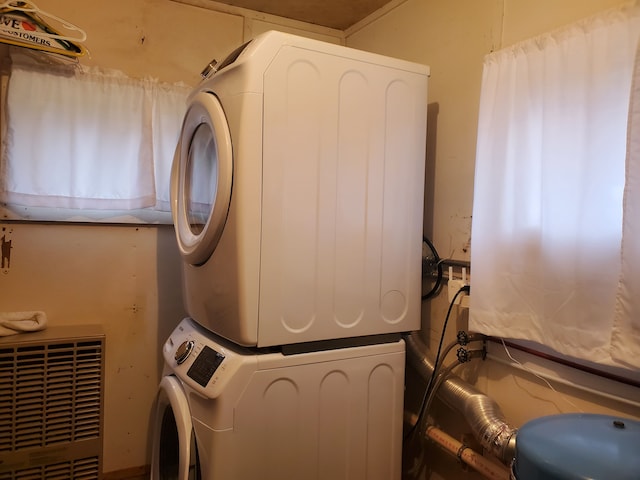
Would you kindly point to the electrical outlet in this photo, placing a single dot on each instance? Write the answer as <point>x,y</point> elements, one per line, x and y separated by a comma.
<point>453,286</point>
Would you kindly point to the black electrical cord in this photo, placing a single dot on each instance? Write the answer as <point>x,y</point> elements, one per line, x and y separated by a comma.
<point>436,363</point>
<point>439,275</point>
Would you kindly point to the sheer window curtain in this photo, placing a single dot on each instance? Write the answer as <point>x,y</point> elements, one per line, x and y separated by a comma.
<point>625,339</point>
<point>92,139</point>
<point>548,195</point>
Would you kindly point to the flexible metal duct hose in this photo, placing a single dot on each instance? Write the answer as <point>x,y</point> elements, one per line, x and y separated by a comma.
<point>482,413</point>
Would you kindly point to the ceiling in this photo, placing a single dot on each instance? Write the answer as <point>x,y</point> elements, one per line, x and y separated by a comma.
<point>338,14</point>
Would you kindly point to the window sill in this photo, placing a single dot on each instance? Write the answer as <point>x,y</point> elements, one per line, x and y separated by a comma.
<point>598,380</point>
<point>39,214</point>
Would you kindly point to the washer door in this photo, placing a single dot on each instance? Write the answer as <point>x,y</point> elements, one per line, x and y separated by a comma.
<point>201,178</point>
<point>175,453</point>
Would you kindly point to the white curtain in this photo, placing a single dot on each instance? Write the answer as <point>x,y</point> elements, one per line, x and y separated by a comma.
<point>625,343</point>
<point>169,110</point>
<point>91,140</point>
<point>550,176</point>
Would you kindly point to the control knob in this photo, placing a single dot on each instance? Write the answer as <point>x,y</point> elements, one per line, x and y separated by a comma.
<point>184,350</point>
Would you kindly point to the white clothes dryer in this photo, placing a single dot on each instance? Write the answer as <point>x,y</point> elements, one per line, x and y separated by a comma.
<point>297,193</point>
<point>229,413</point>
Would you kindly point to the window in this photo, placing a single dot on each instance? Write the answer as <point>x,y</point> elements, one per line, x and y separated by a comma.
<point>84,143</point>
<point>551,175</point>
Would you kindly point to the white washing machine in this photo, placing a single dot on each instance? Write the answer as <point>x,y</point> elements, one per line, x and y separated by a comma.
<point>228,413</point>
<point>297,193</point>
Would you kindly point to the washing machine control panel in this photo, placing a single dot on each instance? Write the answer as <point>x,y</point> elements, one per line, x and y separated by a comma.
<point>205,365</point>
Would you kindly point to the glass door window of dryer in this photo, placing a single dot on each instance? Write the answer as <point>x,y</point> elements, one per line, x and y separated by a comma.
<point>204,174</point>
<point>202,179</point>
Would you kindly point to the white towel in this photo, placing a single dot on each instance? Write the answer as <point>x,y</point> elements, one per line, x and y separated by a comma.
<point>17,322</point>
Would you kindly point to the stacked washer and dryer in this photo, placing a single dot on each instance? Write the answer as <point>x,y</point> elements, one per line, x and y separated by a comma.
<point>297,197</point>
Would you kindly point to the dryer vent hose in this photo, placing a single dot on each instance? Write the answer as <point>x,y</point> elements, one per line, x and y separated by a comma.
<point>482,413</point>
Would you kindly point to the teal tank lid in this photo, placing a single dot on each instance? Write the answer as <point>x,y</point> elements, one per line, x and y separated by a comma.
<point>578,447</point>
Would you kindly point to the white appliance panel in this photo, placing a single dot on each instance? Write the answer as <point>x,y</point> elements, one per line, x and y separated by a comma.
<point>342,198</point>
<point>222,293</point>
<point>323,236</point>
<point>327,414</point>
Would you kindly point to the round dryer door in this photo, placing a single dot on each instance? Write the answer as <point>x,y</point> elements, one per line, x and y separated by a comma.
<point>201,178</point>
<point>175,453</point>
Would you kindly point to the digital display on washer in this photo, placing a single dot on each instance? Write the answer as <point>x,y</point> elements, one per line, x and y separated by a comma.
<point>205,365</point>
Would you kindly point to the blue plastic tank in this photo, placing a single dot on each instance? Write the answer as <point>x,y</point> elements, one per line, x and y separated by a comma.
<point>578,447</point>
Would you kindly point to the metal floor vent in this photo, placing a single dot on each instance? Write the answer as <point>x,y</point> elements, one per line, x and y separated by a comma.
<point>51,404</point>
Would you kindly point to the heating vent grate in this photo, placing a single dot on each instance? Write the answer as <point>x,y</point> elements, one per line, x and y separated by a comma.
<point>85,468</point>
<point>49,394</point>
<point>51,404</point>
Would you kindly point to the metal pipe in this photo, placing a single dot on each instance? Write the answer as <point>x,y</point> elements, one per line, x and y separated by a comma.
<point>482,413</point>
<point>472,458</point>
